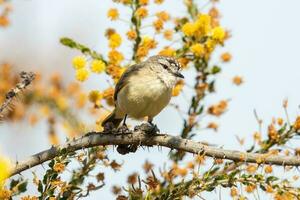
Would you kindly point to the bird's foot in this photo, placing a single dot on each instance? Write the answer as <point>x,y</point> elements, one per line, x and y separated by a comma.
<point>108,127</point>
<point>148,128</point>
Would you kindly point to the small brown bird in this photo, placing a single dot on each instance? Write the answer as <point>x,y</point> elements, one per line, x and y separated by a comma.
<point>145,89</point>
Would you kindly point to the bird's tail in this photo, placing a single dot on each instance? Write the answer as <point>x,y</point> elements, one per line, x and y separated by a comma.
<point>111,118</point>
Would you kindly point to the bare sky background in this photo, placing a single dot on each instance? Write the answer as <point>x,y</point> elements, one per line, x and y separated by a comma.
<point>265,48</point>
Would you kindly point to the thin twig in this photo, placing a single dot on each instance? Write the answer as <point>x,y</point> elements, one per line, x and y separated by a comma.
<point>26,79</point>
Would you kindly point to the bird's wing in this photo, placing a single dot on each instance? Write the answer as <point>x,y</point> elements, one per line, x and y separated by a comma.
<point>130,71</point>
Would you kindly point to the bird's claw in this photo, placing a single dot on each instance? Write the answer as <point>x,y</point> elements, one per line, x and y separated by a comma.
<point>148,128</point>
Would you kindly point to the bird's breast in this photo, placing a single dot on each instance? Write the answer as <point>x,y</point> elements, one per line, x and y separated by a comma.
<point>144,96</point>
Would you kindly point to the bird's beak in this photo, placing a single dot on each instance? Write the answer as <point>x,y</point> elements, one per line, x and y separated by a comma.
<point>178,74</point>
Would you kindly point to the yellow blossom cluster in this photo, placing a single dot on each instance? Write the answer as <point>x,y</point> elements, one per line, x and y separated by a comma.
<point>82,73</point>
<point>204,35</point>
<point>145,46</point>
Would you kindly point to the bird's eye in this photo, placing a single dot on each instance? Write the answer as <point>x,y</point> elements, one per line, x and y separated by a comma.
<point>165,66</point>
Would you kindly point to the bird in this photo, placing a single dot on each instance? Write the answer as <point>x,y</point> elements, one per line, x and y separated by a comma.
<point>144,89</point>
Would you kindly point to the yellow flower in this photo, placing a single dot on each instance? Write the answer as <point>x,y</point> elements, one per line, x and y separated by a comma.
<point>188,29</point>
<point>197,49</point>
<point>210,45</point>
<point>203,24</point>
<point>167,51</point>
<point>143,2</point>
<point>141,12</point>
<point>78,62</point>
<point>131,35</point>
<point>148,42</point>
<point>115,57</point>
<point>82,74</point>
<point>5,169</point>
<point>115,40</point>
<point>218,34</point>
<point>113,14</point>
<point>97,66</point>
<point>95,96</point>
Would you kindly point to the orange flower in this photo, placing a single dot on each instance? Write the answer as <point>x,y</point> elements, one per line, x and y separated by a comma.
<point>158,25</point>
<point>218,109</point>
<point>163,15</point>
<point>280,121</point>
<point>234,192</point>
<point>143,2</point>
<point>131,35</point>
<point>250,188</point>
<point>297,123</point>
<point>4,22</point>
<point>251,168</point>
<point>213,126</point>
<point>141,12</point>
<point>237,80</point>
<point>59,167</point>
<point>268,169</point>
<point>272,132</point>
<point>158,1</point>
<point>168,34</point>
<point>226,57</point>
<point>113,14</point>
<point>115,57</point>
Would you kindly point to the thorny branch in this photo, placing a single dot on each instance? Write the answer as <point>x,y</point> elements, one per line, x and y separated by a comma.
<point>26,79</point>
<point>143,137</point>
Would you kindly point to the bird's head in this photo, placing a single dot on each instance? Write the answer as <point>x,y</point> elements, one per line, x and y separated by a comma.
<point>167,64</point>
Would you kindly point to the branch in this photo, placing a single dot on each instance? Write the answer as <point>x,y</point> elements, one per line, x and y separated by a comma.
<point>27,78</point>
<point>141,137</point>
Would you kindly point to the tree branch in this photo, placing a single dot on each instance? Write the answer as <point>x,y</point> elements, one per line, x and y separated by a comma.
<point>141,137</point>
<point>27,78</point>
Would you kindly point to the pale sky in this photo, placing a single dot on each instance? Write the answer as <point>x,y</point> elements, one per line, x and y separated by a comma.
<point>265,48</point>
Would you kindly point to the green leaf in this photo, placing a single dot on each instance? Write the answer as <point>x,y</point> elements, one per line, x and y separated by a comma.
<point>68,42</point>
<point>13,183</point>
<point>215,70</point>
<point>271,179</point>
<point>22,187</point>
<point>40,187</point>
